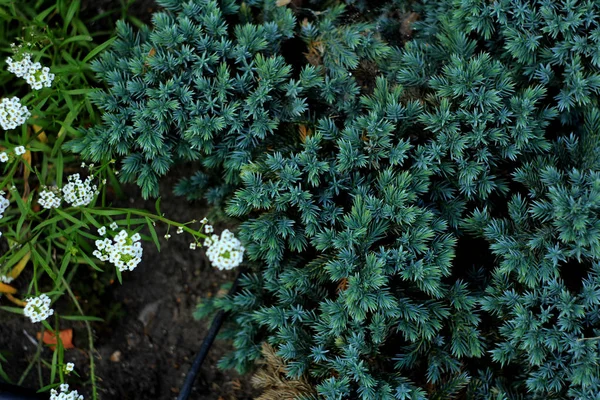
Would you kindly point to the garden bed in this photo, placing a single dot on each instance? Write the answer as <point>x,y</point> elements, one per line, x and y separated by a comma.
<point>150,338</point>
<point>364,148</point>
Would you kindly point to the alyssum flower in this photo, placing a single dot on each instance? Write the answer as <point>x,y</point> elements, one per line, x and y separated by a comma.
<point>79,193</point>
<point>225,252</point>
<point>38,308</point>
<point>65,394</point>
<point>69,367</point>
<point>49,198</point>
<point>12,113</point>
<point>124,251</point>
<point>34,74</point>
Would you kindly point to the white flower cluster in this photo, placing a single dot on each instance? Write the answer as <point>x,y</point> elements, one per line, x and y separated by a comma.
<point>225,252</point>
<point>65,394</point>
<point>36,76</point>
<point>12,113</point>
<point>4,203</point>
<point>49,198</point>
<point>19,68</point>
<point>124,251</point>
<point>6,279</point>
<point>38,308</point>
<point>78,192</point>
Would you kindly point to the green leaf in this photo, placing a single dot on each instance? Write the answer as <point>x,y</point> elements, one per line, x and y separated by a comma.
<point>71,218</point>
<point>91,262</point>
<point>65,262</point>
<point>105,213</point>
<point>76,38</point>
<point>89,217</point>
<point>47,387</point>
<point>47,222</point>
<point>42,15</point>
<point>3,374</point>
<point>157,206</point>
<point>73,8</point>
<point>37,258</point>
<point>81,318</point>
<point>84,92</point>
<point>65,126</point>
<point>153,233</point>
<point>65,232</point>
<point>16,257</point>
<point>98,49</point>
<point>54,361</point>
<point>16,310</point>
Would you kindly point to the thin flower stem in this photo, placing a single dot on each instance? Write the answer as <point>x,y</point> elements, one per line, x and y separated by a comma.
<point>155,217</point>
<point>90,338</point>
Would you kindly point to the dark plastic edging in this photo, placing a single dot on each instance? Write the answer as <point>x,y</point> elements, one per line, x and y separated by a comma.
<point>13,392</point>
<point>192,374</point>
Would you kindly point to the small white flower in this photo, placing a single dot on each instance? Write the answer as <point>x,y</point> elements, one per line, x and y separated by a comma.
<point>179,230</point>
<point>225,252</point>
<point>69,367</point>
<point>3,157</point>
<point>6,279</point>
<point>20,150</point>
<point>167,236</point>
<point>64,387</point>
<point>204,220</point>
<point>82,165</point>
<point>114,226</point>
<point>102,231</point>
<point>38,308</point>
<point>193,246</point>
<point>208,229</point>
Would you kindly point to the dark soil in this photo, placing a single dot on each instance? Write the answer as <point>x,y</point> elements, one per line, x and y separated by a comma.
<point>147,353</point>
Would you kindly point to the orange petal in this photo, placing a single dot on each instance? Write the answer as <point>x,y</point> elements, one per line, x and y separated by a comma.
<point>16,271</point>
<point>66,337</point>
<point>18,302</point>
<point>4,288</point>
